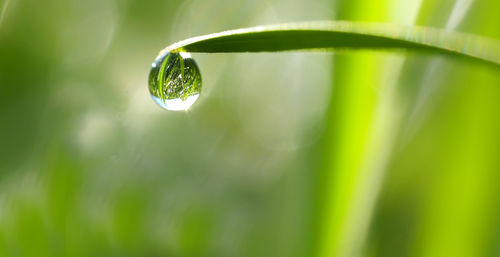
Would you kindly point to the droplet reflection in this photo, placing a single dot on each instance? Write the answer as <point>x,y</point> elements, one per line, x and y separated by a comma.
<point>174,81</point>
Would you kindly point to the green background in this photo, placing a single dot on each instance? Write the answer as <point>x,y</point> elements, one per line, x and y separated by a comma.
<point>357,153</point>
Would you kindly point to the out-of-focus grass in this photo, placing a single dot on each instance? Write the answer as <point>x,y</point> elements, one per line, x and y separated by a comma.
<point>356,143</point>
<point>370,122</point>
<point>91,167</point>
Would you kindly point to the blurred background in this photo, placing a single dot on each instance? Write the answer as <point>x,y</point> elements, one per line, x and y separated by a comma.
<point>285,154</point>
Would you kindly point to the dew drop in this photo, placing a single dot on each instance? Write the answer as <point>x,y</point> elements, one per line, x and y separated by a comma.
<point>174,81</point>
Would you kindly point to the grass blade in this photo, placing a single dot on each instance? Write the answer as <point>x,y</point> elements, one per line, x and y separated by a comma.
<point>332,35</point>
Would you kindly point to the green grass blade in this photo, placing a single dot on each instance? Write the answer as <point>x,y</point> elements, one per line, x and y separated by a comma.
<point>161,76</point>
<point>181,61</point>
<point>328,35</point>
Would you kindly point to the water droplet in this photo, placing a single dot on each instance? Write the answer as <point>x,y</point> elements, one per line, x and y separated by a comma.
<point>175,81</point>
